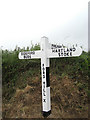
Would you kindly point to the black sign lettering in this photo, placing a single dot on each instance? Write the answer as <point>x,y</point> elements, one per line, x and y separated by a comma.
<point>64,51</point>
<point>27,56</point>
<point>65,54</point>
<point>70,53</point>
<point>61,50</point>
<point>43,70</point>
<point>70,49</point>
<point>59,54</point>
<point>74,49</point>
<point>67,49</point>
<point>59,46</point>
<point>44,88</point>
<point>55,46</point>
<point>44,100</point>
<point>43,76</point>
<point>44,92</point>
<point>58,50</point>
<point>28,53</point>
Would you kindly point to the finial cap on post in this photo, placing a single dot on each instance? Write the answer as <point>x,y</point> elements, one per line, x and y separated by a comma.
<point>44,37</point>
<point>44,43</point>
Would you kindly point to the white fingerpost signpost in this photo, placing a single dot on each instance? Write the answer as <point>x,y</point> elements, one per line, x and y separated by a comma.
<point>48,51</point>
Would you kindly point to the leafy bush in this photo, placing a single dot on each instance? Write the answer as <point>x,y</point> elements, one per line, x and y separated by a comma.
<point>76,68</point>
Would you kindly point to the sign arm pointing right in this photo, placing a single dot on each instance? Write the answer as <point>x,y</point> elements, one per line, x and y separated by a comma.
<point>64,52</point>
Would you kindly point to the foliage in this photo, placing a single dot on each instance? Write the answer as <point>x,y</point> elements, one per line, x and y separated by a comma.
<point>12,67</point>
<point>75,68</point>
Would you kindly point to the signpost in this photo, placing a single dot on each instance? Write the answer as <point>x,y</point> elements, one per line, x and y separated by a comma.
<point>48,51</point>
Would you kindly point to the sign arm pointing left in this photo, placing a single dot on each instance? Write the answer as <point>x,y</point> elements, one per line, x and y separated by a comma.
<point>30,54</point>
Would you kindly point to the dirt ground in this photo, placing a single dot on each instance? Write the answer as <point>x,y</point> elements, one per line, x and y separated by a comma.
<point>67,101</point>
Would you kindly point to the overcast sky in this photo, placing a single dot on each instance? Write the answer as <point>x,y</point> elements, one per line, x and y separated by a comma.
<point>62,21</point>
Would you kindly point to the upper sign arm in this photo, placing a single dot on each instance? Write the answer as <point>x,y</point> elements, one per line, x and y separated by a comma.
<point>64,52</point>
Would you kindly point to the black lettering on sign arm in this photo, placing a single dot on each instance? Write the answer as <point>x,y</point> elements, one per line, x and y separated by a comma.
<point>67,53</point>
<point>59,54</point>
<point>70,53</point>
<point>74,49</point>
<point>70,49</point>
<point>61,50</point>
<point>58,50</point>
<point>47,77</point>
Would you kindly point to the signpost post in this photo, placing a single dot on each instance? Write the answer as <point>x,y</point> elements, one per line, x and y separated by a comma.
<point>48,51</point>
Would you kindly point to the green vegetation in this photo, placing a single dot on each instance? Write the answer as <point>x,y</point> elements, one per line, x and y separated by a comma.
<point>76,68</point>
<point>13,68</point>
<point>18,73</point>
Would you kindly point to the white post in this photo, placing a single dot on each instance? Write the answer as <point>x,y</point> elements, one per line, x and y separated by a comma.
<point>46,104</point>
<point>47,52</point>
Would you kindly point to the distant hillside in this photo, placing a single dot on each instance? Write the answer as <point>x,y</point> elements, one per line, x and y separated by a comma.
<point>22,86</point>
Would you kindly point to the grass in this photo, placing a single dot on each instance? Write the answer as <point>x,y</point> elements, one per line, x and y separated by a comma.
<point>75,68</point>
<point>16,74</point>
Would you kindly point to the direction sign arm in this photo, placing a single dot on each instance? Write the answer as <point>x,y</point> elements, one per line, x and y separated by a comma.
<point>30,54</point>
<point>64,52</point>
